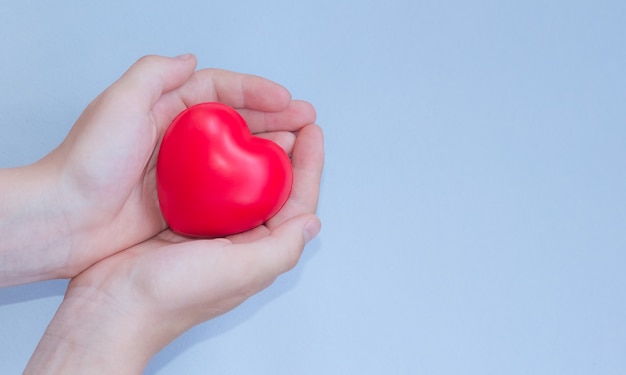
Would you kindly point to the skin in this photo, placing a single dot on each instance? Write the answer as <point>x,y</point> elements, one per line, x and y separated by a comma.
<point>95,195</point>
<point>89,211</point>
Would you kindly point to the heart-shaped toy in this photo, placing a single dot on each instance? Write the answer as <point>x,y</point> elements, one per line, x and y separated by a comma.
<point>214,178</point>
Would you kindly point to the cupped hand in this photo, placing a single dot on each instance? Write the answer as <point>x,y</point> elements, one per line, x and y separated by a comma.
<point>125,308</point>
<point>104,171</point>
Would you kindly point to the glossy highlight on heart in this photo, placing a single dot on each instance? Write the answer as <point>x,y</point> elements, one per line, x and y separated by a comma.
<point>214,178</point>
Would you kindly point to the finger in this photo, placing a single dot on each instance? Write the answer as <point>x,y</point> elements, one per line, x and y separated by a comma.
<point>297,114</point>
<point>285,140</point>
<point>255,265</point>
<point>308,162</point>
<point>219,275</point>
<point>150,77</point>
<point>236,90</point>
<point>253,234</point>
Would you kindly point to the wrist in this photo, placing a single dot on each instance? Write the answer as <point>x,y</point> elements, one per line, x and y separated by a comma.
<point>34,239</point>
<point>92,334</point>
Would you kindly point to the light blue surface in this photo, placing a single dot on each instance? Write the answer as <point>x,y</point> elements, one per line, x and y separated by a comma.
<point>474,196</point>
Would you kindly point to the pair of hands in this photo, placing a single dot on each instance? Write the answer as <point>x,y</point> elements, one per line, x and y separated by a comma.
<point>135,285</point>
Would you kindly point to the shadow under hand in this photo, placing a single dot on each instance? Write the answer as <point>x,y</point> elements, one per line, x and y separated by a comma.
<point>23,293</point>
<point>234,318</point>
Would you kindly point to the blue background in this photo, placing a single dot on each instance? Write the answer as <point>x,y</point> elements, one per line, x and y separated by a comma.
<point>473,199</point>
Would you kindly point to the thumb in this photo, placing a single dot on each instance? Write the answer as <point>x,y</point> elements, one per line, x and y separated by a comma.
<point>152,76</point>
<point>279,252</point>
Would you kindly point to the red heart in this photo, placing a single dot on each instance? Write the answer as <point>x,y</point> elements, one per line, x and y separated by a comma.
<point>214,178</point>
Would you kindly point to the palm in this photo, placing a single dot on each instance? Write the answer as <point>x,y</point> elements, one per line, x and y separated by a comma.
<point>183,281</point>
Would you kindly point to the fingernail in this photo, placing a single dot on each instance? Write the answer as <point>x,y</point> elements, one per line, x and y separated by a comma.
<point>185,56</point>
<point>311,229</point>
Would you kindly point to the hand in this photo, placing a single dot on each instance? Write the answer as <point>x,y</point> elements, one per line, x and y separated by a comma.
<point>117,314</point>
<point>97,189</point>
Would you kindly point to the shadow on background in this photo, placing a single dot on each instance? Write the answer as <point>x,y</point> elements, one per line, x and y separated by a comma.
<point>28,292</point>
